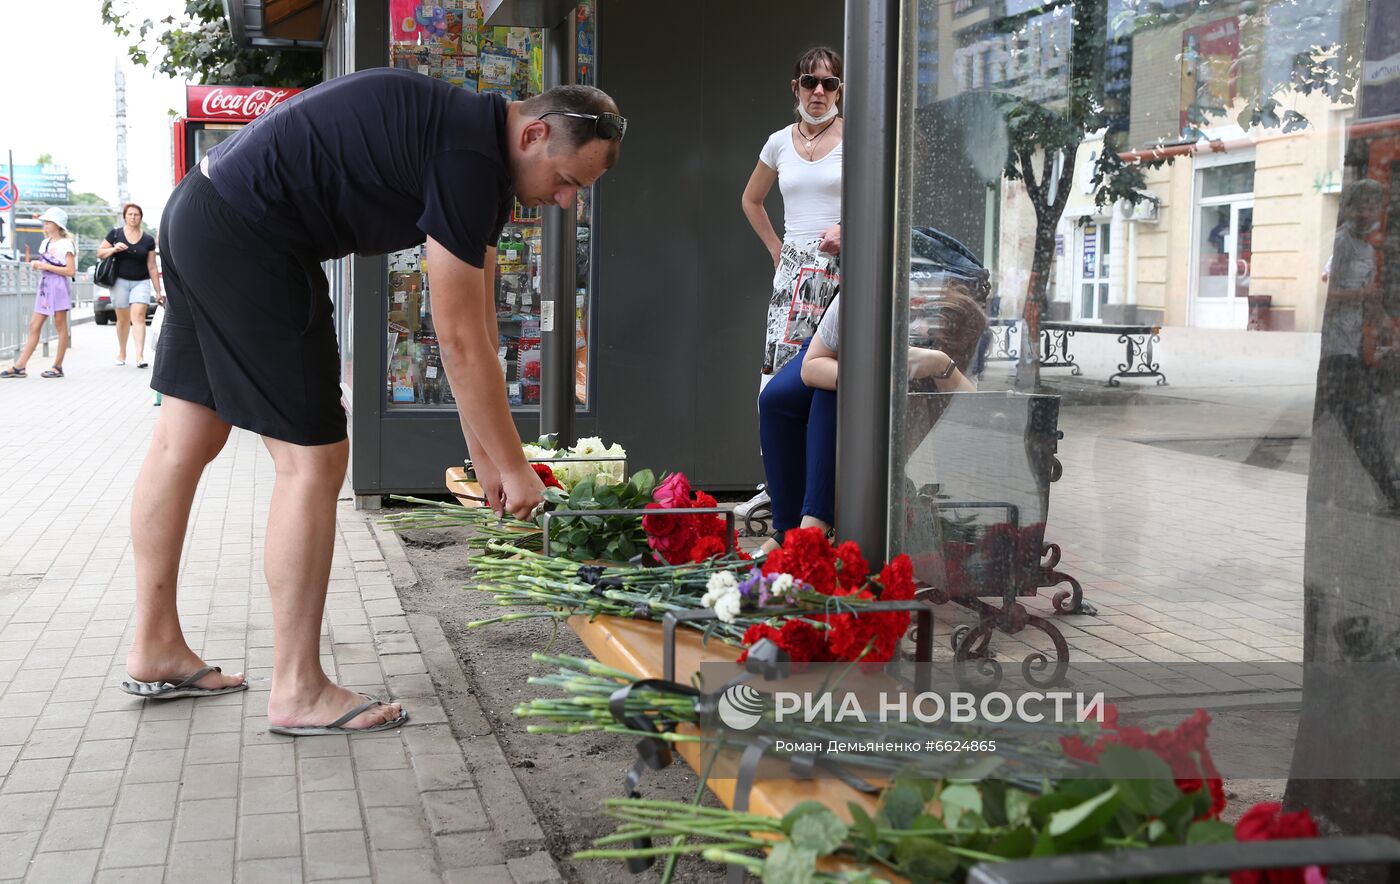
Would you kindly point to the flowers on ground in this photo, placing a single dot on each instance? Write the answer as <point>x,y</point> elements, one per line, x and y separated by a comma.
<point>679,539</point>
<point>609,472</point>
<point>1182,748</point>
<point>1267,822</point>
<point>808,567</point>
<point>546,475</point>
<point>722,594</point>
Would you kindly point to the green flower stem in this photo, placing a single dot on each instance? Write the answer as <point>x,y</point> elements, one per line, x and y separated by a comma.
<point>665,850</point>
<point>729,857</point>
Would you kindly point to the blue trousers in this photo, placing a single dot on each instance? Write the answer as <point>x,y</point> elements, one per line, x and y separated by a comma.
<point>797,429</point>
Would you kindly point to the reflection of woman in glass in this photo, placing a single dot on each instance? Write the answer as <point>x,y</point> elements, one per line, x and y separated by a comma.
<point>797,411</point>
<point>1352,308</point>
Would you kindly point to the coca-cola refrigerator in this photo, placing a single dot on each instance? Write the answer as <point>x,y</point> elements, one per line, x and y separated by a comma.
<point>213,113</point>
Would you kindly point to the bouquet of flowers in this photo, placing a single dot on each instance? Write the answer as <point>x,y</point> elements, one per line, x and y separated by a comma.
<point>586,458</point>
<point>810,598</point>
<point>808,571</point>
<point>677,539</point>
<point>937,829</point>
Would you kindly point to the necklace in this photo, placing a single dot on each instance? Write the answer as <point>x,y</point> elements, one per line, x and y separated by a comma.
<point>812,139</point>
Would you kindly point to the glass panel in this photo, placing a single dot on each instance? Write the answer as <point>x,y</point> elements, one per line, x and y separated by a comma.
<point>1227,180</point>
<point>1243,251</point>
<point>208,136</point>
<point>1202,519</point>
<point>1213,231</point>
<point>450,43</point>
<point>1105,246</point>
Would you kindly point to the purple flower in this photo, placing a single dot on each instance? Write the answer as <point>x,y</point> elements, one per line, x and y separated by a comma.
<point>755,579</point>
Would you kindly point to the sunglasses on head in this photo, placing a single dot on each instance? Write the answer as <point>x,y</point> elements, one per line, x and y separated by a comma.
<point>810,81</point>
<point>609,127</point>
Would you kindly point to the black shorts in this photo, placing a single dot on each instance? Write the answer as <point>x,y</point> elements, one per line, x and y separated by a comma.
<point>249,331</point>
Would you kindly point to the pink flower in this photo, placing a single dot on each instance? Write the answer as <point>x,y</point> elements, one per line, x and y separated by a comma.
<point>673,492</point>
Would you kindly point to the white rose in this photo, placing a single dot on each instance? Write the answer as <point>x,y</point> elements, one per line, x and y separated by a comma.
<point>535,452</point>
<point>588,446</point>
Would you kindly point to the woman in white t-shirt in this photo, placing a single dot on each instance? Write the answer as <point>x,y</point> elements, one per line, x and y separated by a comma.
<point>58,261</point>
<point>804,159</point>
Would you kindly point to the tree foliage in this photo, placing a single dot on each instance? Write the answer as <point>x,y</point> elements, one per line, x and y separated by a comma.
<point>89,228</point>
<point>200,48</point>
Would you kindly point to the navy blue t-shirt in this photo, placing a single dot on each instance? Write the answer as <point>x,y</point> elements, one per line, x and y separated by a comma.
<point>374,162</point>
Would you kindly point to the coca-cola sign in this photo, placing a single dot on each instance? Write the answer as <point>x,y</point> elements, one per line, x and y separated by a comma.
<point>245,103</point>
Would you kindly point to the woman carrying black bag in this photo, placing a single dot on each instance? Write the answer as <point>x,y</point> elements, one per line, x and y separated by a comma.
<point>137,286</point>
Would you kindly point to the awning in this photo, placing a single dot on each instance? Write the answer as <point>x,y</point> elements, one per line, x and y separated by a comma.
<point>279,24</point>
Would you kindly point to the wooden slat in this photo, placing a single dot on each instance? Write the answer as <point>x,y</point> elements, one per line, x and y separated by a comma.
<point>635,646</point>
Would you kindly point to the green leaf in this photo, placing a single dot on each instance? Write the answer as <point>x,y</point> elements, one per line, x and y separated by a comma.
<point>643,483</point>
<point>1018,806</point>
<point>787,864</point>
<point>923,859</point>
<point>819,831</point>
<point>1155,830</point>
<point>1065,795</point>
<point>1142,777</point>
<point>862,825</point>
<point>902,804</point>
<point>1016,844</point>
<point>957,800</point>
<point>1210,832</point>
<point>1083,820</point>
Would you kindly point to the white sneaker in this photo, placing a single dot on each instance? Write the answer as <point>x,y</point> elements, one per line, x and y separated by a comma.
<point>745,509</point>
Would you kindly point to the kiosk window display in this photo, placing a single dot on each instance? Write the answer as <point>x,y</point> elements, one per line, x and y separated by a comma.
<point>449,42</point>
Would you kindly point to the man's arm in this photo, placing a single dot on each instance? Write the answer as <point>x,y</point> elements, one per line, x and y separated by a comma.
<point>468,344</point>
<point>480,459</point>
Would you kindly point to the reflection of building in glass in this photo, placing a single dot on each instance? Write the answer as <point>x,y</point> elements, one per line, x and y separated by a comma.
<point>1241,215</point>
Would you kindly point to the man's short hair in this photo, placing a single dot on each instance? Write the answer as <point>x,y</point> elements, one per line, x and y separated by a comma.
<point>574,132</point>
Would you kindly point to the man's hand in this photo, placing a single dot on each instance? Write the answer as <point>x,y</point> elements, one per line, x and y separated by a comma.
<point>522,491</point>
<point>777,256</point>
<point>831,240</point>
<point>489,478</point>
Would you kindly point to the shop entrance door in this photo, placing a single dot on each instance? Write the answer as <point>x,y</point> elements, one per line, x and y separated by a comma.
<point>1223,247</point>
<point>1095,246</point>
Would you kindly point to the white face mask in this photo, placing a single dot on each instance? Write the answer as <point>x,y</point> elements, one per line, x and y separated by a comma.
<point>817,121</point>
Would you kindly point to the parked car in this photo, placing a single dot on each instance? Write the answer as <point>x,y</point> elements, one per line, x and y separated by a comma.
<point>103,312</point>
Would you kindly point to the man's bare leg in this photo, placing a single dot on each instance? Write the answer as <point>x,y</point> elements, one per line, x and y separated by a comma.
<point>297,561</point>
<point>186,438</point>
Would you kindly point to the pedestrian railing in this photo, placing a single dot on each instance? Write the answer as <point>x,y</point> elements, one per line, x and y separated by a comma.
<point>19,283</point>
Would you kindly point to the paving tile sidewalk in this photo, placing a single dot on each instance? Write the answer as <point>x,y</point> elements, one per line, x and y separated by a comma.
<point>97,785</point>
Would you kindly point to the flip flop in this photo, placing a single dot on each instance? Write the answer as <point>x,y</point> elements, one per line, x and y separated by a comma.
<point>170,690</point>
<point>336,727</point>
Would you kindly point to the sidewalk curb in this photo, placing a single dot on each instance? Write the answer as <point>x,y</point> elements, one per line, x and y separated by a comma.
<point>514,821</point>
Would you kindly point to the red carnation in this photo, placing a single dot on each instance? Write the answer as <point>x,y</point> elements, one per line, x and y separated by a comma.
<point>546,475</point>
<point>706,547</point>
<point>1267,822</point>
<point>806,555</point>
<point>853,568</point>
